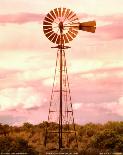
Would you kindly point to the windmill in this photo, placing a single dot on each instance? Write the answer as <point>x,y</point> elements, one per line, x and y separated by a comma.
<point>61,26</point>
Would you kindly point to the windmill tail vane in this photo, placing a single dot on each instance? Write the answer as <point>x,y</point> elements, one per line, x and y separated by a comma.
<point>61,26</point>
<point>85,26</point>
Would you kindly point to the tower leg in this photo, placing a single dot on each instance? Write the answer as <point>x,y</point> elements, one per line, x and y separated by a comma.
<point>60,117</point>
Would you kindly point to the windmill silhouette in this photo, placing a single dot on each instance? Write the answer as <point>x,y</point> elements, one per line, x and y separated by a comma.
<point>61,26</point>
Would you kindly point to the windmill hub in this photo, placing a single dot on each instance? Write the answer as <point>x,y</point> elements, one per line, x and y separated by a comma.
<point>61,27</point>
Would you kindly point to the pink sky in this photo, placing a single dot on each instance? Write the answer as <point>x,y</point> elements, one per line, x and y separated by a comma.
<point>95,61</point>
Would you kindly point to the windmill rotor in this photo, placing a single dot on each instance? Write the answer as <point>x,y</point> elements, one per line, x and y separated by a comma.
<point>54,25</point>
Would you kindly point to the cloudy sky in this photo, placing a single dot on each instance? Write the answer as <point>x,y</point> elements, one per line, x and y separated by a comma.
<point>95,61</point>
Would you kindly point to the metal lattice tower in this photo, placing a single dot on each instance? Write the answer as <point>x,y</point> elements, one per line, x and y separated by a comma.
<point>61,26</point>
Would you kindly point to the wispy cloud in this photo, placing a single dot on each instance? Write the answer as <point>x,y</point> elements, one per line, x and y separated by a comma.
<point>111,31</point>
<point>20,18</point>
<point>111,27</point>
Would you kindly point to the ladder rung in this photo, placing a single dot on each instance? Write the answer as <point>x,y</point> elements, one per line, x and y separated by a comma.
<point>59,91</point>
<point>62,70</point>
<point>68,111</point>
<point>56,91</point>
<point>62,132</point>
<point>52,111</point>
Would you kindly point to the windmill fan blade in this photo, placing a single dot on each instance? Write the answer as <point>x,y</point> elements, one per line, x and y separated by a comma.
<point>59,10</point>
<point>46,23</point>
<point>58,40</point>
<point>48,20</point>
<point>69,37</point>
<point>50,17</point>
<point>51,36</point>
<point>90,23</point>
<point>55,37</point>
<point>47,30</point>
<point>56,12</point>
<point>53,14</point>
<point>67,13</point>
<point>47,27</point>
<point>65,38</point>
<point>63,12</point>
<point>88,28</point>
